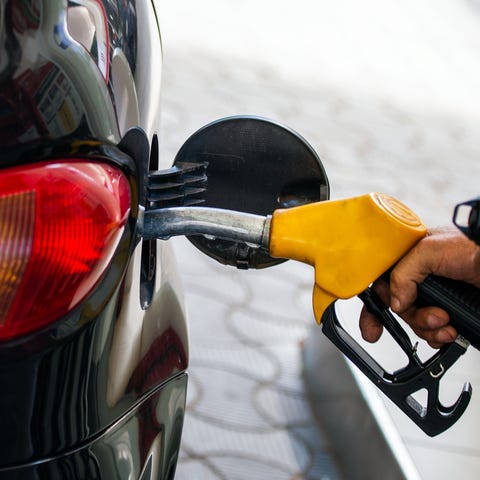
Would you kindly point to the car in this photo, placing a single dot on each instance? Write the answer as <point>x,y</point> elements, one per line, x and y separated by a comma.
<point>93,330</point>
<point>92,325</point>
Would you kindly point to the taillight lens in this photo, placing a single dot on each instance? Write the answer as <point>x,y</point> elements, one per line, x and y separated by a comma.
<point>59,226</point>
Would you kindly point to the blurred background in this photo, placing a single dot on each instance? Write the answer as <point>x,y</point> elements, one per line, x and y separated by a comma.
<point>388,95</point>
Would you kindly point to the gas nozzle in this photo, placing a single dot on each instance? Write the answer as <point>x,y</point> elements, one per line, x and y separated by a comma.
<point>351,243</point>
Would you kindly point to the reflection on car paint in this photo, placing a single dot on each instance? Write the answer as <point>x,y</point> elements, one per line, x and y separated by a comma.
<point>49,85</point>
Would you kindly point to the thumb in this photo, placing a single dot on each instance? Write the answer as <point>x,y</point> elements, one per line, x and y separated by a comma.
<point>412,269</point>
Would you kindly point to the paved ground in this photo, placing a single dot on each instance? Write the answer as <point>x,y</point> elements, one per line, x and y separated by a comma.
<point>248,414</point>
<point>387,93</point>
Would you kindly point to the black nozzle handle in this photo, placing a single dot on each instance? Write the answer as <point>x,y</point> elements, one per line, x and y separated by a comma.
<point>434,417</point>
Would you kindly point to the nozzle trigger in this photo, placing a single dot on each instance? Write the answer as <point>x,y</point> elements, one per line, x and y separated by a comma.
<point>434,417</point>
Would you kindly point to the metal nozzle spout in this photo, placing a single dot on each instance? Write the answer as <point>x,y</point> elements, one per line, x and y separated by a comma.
<point>219,223</point>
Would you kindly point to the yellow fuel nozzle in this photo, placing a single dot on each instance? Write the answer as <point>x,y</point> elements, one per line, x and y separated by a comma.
<point>349,242</point>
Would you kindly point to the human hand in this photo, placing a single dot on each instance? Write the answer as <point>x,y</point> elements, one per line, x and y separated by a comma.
<point>445,252</point>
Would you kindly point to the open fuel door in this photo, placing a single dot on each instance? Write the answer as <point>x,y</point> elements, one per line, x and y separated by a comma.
<point>252,165</point>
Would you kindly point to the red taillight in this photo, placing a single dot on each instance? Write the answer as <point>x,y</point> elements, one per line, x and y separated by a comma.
<point>59,226</point>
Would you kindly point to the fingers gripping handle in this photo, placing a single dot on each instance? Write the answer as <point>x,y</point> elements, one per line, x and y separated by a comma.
<point>461,300</point>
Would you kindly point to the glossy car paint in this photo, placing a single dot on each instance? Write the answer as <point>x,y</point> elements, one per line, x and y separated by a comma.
<point>101,392</point>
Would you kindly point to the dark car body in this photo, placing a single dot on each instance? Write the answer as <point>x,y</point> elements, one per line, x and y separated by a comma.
<point>98,392</point>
